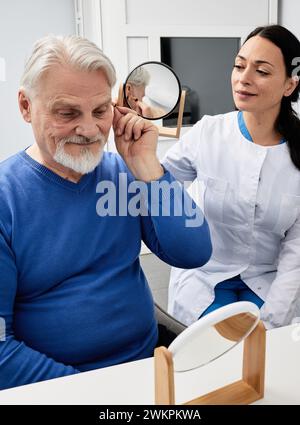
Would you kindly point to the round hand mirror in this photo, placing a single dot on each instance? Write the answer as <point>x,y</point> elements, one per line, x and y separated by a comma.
<point>152,89</point>
<point>213,335</point>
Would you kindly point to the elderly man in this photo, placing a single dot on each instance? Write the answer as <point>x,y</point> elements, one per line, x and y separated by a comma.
<point>73,296</point>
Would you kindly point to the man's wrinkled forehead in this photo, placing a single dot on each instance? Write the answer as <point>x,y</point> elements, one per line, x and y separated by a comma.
<point>69,101</point>
<point>73,83</point>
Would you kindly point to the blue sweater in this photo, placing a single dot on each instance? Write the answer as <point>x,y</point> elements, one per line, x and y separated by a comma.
<point>73,296</point>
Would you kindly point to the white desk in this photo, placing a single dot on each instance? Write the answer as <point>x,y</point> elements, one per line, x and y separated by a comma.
<point>133,383</point>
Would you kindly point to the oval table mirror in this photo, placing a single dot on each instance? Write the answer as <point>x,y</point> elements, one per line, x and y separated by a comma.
<point>153,90</point>
<point>206,340</point>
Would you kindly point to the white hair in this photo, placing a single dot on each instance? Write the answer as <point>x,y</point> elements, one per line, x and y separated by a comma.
<point>139,76</point>
<point>74,51</point>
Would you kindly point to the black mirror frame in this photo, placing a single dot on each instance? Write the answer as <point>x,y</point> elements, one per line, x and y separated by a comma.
<point>175,75</point>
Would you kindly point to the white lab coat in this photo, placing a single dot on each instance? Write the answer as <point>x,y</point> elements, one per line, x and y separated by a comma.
<point>250,195</point>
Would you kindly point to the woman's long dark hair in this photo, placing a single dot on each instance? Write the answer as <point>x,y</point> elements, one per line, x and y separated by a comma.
<point>287,124</point>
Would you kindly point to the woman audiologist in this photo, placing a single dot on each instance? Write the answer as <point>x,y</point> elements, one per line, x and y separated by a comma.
<point>248,162</point>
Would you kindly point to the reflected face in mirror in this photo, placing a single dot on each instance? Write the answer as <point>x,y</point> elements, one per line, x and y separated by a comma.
<point>152,90</point>
<point>134,94</point>
<point>213,335</point>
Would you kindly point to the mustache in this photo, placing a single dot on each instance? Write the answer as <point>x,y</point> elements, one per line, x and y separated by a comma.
<point>82,139</point>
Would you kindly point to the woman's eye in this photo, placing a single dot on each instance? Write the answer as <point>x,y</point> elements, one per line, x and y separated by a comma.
<point>237,66</point>
<point>262,72</point>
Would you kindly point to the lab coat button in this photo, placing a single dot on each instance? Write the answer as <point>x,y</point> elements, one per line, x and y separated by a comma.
<point>259,288</point>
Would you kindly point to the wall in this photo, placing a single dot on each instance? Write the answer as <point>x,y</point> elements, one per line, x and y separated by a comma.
<point>140,28</point>
<point>289,16</point>
<point>21,23</point>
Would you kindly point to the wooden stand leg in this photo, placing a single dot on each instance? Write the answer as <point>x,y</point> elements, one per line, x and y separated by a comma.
<point>164,376</point>
<point>254,359</point>
<point>120,101</point>
<point>175,132</point>
<point>180,113</point>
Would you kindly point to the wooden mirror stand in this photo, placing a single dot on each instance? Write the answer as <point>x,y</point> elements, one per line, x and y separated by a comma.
<point>245,391</point>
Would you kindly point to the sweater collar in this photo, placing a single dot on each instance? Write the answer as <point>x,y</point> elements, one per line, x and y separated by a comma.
<point>55,178</point>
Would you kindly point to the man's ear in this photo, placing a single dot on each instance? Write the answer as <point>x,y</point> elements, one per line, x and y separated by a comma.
<point>24,105</point>
<point>127,89</point>
<point>292,84</point>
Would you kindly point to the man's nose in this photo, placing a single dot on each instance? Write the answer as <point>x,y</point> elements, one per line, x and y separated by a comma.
<point>87,127</point>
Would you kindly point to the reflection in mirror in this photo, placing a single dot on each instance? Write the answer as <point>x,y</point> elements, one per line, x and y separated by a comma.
<point>213,335</point>
<point>153,90</point>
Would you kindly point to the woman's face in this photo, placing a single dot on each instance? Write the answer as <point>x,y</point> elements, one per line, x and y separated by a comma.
<point>259,78</point>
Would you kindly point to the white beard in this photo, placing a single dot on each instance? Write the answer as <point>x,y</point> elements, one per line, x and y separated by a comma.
<point>84,163</point>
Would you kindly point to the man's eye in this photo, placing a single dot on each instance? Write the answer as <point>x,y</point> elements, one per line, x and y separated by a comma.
<point>101,112</point>
<point>66,114</point>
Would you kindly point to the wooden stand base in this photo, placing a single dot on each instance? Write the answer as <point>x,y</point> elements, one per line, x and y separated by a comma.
<point>237,393</point>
